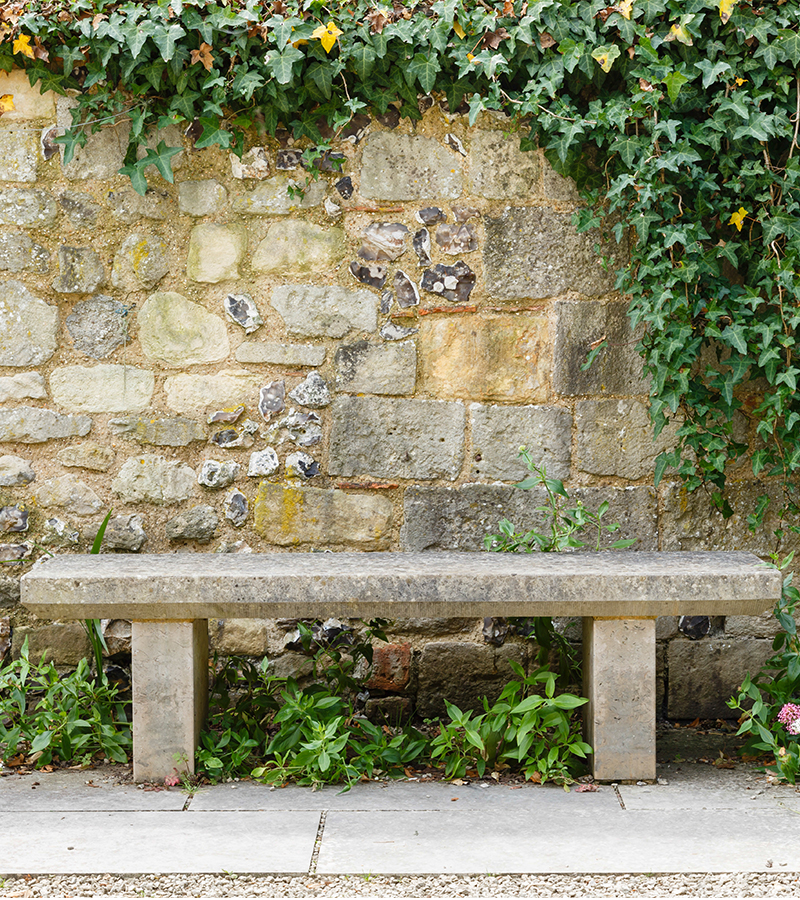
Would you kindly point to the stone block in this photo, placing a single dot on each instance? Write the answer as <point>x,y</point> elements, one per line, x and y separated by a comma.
<point>69,493</point>
<point>176,431</point>
<point>32,425</point>
<point>153,479</point>
<point>29,103</point>
<point>444,518</point>
<point>201,198</point>
<point>169,665</point>
<point>27,207</point>
<point>131,207</point>
<point>80,207</point>
<point>615,437</point>
<point>617,369</point>
<point>298,247</point>
<point>178,332</point>
<point>28,326</point>
<point>9,593</point>
<point>329,311</point>
<point>294,516</point>
<point>62,644</point>
<point>389,710</point>
<point>195,394</point>
<point>498,432</point>
<point>364,368</point>
<point>21,387</point>
<point>18,253</point>
<point>463,673</point>
<point>763,626</point>
<point>14,471</point>
<point>140,263</point>
<point>215,252</point>
<point>391,667</point>
<point>689,521</point>
<point>278,196</point>
<point>104,153</point>
<point>409,167</point>
<point>533,252</point>
<point>499,170</point>
<point>280,354</point>
<point>88,455</point>
<point>98,326</point>
<point>619,676</point>
<point>103,388</point>
<point>389,438</point>
<point>80,271</point>
<point>244,637</point>
<point>502,358</point>
<point>122,533</point>
<point>19,152</point>
<point>704,674</point>
<point>557,187</point>
<point>199,524</point>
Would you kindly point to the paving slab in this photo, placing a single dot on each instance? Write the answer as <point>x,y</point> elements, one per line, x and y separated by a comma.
<point>512,842</point>
<point>532,799</point>
<point>156,842</point>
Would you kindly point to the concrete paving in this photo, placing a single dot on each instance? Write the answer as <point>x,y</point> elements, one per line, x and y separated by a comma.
<point>699,819</point>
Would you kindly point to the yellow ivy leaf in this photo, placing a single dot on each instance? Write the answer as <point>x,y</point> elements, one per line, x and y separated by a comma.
<point>726,9</point>
<point>680,33</point>
<point>738,218</point>
<point>23,45</point>
<point>458,29</point>
<point>625,8</point>
<point>740,82</point>
<point>327,34</point>
<point>6,103</point>
<point>605,56</point>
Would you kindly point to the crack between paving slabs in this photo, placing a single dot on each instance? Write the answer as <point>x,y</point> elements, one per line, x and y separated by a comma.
<point>619,796</point>
<point>312,867</point>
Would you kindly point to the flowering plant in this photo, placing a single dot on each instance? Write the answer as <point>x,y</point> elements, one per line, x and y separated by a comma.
<point>789,717</point>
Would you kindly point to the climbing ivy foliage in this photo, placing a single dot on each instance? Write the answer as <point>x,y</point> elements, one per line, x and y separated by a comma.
<point>677,118</point>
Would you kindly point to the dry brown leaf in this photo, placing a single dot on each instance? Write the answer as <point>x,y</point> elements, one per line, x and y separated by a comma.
<point>645,85</point>
<point>546,40</point>
<point>204,56</point>
<point>6,103</point>
<point>493,39</point>
<point>100,17</point>
<point>508,8</point>
<point>377,21</point>
<point>586,788</point>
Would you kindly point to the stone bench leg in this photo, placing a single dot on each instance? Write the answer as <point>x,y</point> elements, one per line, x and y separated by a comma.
<point>170,695</point>
<point>619,678</point>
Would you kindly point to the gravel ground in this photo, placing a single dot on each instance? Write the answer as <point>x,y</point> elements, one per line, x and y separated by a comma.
<point>685,885</point>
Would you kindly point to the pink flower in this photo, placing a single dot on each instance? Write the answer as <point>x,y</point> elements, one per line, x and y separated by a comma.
<point>790,717</point>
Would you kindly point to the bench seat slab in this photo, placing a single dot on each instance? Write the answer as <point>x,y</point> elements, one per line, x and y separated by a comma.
<point>169,663</point>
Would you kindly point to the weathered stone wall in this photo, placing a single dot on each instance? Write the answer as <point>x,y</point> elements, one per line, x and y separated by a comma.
<point>248,359</point>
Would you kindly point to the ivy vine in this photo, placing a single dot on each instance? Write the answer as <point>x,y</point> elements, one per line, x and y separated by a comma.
<point>678,118</point>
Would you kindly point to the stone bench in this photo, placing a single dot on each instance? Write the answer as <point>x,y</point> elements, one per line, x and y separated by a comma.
<point>169,599</point>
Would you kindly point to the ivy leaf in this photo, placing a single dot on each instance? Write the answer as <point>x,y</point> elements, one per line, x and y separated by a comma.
<point>282,63</point>
<point>674,82</point>
<point>726,9</point>
<point>628,149</point>
<point>71,140</point>
<point>136,35</point>
<point>363,60</point>
<point>136,175</point>
<point>322,75</point>
<point>424,67</point>
<point>165,38</point>
<point>735,336</point>
<point>160,158</point>
<point>711,71</point>
<point>787,45</point>
<point>606,55</point>
<point>246,83</point>
<point>213,133</point>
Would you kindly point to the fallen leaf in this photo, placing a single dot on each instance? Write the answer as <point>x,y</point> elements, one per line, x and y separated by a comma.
<point>377,21</point>
<point>508,8</point>
<point>645,85</point>
<point>458,29</point>
<point>458,781</point>
<point>327,34</point>
<point>738,218</point>
<point>204,56</point>
<point>546,40</point>
<point>493,39</point>
<point>694,724</point>
<point>586,788</point>
<point>6,103</point>
<point>23,45</point>
<point>100,17</point>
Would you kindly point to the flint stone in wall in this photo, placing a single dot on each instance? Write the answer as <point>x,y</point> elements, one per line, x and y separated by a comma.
<point>313,392</point>
<point>30,425</point>
<point>443,518</point>
<point>104,153</point>
<point>64,645</point>
<point>27,207</point>
<point>253,164</point>
<point>28,327</point>
<point>498,432</point>
<point>193,394</point>
<point>704,674</point>
<point>463,673</point>
<point>18,253</point>
<point>291,516</point>
<point>329,311</point>
<point>80,208</point>
<point>28,102</point>
<point>215,252</point>
<point>689,521</point>
<point>103,388</point>
<point>130,207</point>
<point>389,438</point>
<point>615,437</point>
<point>201,198</point>
<point>296,246</point>
<point>153,479</point>
<point>504,358</point>
<point>87,455</point>
<point>236,508</point>
<point>177,332</point>
<point>80,269</point>
<point>22,386</point>
<point>98,325</point>
<point>536,253</point>
<point>141,262</point>
<point>9,592</point>
<point>263,463</point>
<point>364,368</point>
<point>617,369</point>
<point>19,152</point>
<point>242,310</point>
<point>199,524</point>
<point>172,432</point>
<point>14,471</point>
<point>69,493</point>
<point>272,197</point>
<point>409,167</point>
<point>280,354</point>
<point>499,170</point>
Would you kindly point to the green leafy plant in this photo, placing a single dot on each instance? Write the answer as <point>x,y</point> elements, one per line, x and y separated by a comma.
<point>62,717</point>
<point>93,627</point>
